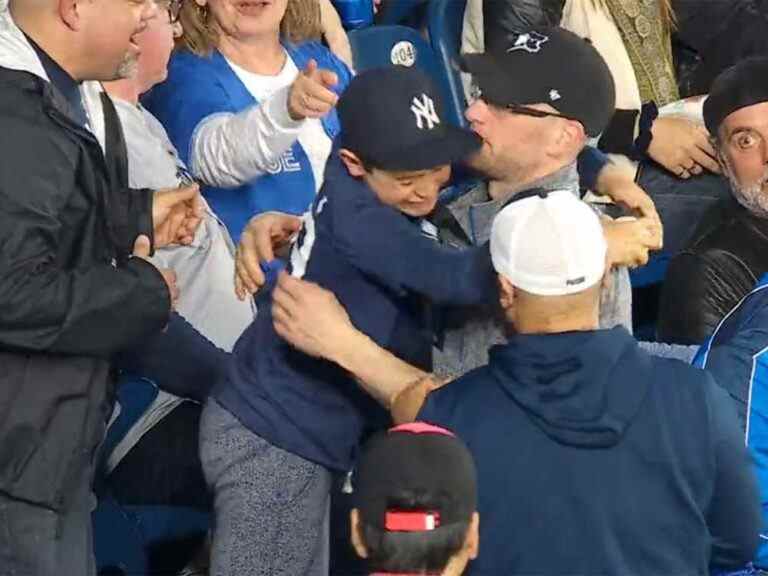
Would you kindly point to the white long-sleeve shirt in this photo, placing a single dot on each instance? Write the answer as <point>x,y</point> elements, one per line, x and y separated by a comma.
<point>229,150</point>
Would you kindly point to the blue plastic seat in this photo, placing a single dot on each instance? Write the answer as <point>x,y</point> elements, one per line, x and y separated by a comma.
<point>381,46</point>
<point>126,535</point>
<point>445,20</point>
<point>400,12</point>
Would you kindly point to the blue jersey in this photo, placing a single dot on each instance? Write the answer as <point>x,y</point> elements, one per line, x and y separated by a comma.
<point>383,268</point>
<point>737,356</point>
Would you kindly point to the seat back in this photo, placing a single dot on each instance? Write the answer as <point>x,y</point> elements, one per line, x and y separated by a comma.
<point>445,20</point>
<point>382,46</point>
<point>400,12</point>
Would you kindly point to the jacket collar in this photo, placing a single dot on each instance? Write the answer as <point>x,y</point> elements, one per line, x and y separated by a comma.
<point>475,211</point>
<point>16,53</point>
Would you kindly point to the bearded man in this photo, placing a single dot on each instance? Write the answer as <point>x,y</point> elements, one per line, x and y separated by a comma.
<point>729,253</point>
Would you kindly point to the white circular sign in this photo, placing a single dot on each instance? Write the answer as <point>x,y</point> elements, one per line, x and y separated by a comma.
<point>403,54</point>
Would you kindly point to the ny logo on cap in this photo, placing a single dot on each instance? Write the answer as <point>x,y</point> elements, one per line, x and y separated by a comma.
<point>424,111</point>
<point>530,42</point>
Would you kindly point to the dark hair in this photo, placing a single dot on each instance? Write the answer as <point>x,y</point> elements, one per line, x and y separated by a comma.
<point>413,551</point>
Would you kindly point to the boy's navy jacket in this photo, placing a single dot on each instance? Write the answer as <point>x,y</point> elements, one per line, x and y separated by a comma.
<point>595,458</point>
<point>381,267</point>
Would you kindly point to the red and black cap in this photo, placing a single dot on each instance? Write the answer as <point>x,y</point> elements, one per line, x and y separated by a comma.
<point>422,460</point>
<point>548,66</point>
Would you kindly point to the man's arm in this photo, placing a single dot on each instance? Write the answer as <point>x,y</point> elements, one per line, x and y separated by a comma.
<point>699,290</point>
<point>375,239</point>
<point>311,319</point>
<point>178,359</point>
<point>50,305</point>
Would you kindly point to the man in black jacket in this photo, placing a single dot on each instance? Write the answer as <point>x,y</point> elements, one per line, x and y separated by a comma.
<point>730,251</point>
<point>75,287</point>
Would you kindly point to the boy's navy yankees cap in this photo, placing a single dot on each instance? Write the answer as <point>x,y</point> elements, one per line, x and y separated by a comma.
<point>416,460</point>
<point>548,66</point>
<point>393,118</point>
<point>742,85</point>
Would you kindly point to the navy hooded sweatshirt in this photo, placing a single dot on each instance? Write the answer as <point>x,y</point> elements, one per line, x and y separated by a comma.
<point>595,458</point>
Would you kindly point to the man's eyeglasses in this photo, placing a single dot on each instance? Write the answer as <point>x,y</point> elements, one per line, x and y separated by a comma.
<point>173,7</point>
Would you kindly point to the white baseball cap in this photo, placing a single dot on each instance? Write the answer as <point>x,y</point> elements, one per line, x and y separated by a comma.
<point>550,244</point>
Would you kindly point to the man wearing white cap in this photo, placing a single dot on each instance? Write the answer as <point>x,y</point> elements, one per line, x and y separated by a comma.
<point>645,452</point>
<point>593,457</point>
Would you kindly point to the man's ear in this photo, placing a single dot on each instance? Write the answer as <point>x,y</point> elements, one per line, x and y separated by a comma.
<point>472,543</point>
<point>69,12</point>
<point>355,530</point>
<point>571,137</point>
<point>352,162</point>
<point>506,293</point>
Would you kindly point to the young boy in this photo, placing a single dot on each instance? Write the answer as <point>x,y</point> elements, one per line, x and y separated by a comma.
<point>416,494</point>
<point>282,422</point>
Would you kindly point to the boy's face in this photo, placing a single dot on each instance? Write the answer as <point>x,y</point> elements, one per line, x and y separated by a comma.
<point>412,193</point>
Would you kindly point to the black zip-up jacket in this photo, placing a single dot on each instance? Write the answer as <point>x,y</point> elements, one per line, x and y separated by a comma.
<point>70,296</point>
<point>726,258</point>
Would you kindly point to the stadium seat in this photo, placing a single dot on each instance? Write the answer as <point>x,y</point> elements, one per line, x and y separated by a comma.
<point>401,12</point>
<point>138,539</point>
<point>445,19</point>
<point>380,46</point>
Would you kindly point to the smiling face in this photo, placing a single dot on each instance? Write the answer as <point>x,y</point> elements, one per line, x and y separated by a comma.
<point>246,19</point>
<point>156,43</point>
<point>743,148</point>
<point>111,28</point>
<point>413,193</point>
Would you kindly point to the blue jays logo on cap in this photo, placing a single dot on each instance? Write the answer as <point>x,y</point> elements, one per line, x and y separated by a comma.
<point>530,42</point>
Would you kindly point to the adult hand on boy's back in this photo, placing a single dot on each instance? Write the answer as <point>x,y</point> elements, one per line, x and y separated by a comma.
<point>311,319</point>
<point>261,238</point>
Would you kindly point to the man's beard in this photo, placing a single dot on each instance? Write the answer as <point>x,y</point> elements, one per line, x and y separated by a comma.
<point>492,167</point>
<point>753,197</point>
<point>127,68</point>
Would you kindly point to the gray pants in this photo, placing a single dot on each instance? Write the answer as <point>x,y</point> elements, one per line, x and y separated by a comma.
<point>36,541</point>
<point>271,507</point>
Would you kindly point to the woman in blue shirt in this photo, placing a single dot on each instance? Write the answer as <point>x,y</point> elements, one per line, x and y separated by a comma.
<point>249,104</point>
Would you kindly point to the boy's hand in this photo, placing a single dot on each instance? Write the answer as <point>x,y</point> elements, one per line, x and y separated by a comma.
<point>262,236</point>
<point>311,95</point>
